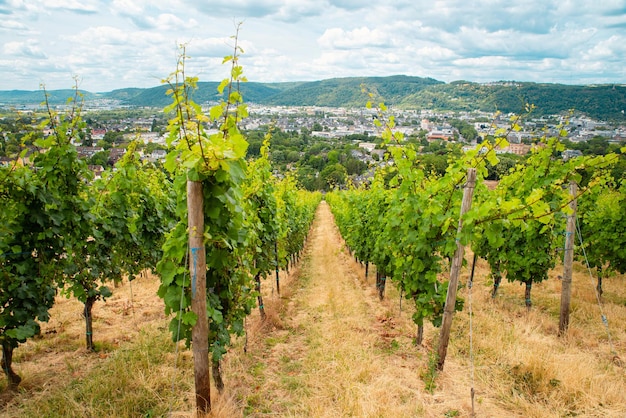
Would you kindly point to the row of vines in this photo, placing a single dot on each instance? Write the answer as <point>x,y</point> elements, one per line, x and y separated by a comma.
<point>64,232</point>
<point>405,221</point>
<point>253,224</point>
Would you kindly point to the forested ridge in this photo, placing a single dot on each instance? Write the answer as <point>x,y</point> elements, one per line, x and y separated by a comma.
<point>604,102</point>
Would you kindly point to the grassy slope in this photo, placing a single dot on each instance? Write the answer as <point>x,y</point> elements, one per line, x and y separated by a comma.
<point>330,348</point>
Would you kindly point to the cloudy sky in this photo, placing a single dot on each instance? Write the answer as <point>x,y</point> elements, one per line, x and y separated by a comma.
<point>134,43</point>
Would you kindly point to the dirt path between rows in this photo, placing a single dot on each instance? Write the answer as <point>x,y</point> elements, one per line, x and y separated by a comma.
<point>332,348</point>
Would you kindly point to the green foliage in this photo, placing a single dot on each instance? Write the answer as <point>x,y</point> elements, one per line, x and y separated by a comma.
<point>345,92</point>
<point>100,158</point>
<point>602,223</point>
<point>261,216</point>
<point>42,221</point>
<point>411,232</point>
<point>520,224</point>
<point>333,175</point>
<point>112,138</point>
<point>135,209</point>
<point>245,212</point>
<point>406,226</point>
<point>597,145</point>
<point>604,102</point>
<point>17,133</point>
<point>217,161</point>
<point>60,231</point>
<point>429,375</point>
<point>466,130</point>
<point>295,212</point>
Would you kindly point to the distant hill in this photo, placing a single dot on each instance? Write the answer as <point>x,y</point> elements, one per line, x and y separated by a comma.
<point>346,92</point>
<point>27,97</point>
<point>206,92</point>
<point>606,102</point>
<point>338,92</point>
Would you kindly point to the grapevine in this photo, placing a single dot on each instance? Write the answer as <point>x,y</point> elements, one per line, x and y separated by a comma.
<point>43,220</point>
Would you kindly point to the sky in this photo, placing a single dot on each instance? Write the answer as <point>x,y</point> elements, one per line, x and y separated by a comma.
<point>108,45</point>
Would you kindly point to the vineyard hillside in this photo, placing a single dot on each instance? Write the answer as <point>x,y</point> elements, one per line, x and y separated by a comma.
<point>330,348</point>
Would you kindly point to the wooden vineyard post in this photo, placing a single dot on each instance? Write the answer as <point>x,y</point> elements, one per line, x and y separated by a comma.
<point>455,270</point>
<point>276,267</point>
<point>568,261</point>
<point>197,270</point>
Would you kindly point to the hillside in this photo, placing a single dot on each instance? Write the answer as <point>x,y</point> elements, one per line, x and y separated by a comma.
<point>206,92</point>
<point>35,97</point>
<point>604,102</point>
<point>346,92</point>
<point>329,347</point>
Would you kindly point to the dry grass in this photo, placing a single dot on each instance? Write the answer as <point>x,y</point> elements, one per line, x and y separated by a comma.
<point>129,375</point>
<point>522,363</point>
<point>329,348</point>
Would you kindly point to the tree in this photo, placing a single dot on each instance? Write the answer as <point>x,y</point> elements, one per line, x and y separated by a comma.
<point>332,157</point>
<point>100,158</point>
<point>254,150</point>
<point>333,175</point>
<point>292,156</point>
<point>505,165</point>
<point>467,131</point>
<point>434,163</point>
<point>309,178</point>
<point>354,166</point>
<point>85,136</point>
<point>113,137</point>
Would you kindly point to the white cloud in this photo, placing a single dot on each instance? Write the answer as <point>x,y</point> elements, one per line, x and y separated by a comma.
<point>168,21</point>
<point>237,9</point>
<point>17,6</point>
<point>294,10</point>
<point>433,53</point>
<point>29,49</point>
<point>211,47</point>
<point>82,6</point>
<point>612,49</point>
<point>134,42</point>
<point>101,36</point>
<point>356,38</point>
<point>129,7</point>
<point>12,25</point>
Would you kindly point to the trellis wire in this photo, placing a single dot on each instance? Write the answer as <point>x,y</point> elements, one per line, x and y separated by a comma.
<point>605,321</point>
